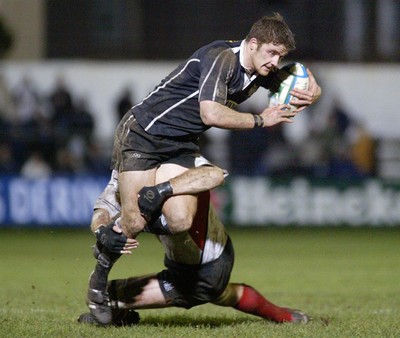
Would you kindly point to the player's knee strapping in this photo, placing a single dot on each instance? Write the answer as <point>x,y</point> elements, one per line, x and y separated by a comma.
<point>151,200</point>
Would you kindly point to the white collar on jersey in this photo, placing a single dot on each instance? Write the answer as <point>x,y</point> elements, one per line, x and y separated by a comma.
<point>248,76</point>
<point>241,58</point>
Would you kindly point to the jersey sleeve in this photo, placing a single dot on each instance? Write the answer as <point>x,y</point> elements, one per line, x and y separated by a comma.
<point>217,66</point>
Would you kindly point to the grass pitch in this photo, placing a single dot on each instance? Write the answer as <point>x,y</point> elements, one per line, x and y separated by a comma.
<point>348,280</point>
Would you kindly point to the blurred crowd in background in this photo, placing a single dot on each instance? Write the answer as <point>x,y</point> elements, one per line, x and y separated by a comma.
<point>46,134</point>
<point>53,133</point>
<point>335,146</point>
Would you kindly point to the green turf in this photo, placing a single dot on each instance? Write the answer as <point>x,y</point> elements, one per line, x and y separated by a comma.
<point>348,280</point>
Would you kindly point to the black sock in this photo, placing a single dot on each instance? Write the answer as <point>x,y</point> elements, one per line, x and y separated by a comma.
<point>99,277</point>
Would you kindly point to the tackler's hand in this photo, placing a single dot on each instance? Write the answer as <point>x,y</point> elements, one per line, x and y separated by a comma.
<point>113,240</point>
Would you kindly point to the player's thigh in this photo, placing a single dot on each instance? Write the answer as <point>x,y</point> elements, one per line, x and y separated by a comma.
<point>169,170</point>
<point>130,182</point>
<point>179,210</point>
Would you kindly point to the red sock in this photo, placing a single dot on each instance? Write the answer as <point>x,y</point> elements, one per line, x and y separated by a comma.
<point>254,303</point>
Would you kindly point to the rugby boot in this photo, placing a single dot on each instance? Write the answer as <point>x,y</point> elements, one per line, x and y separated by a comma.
<point>125,317</point>
<point>99,305</point>
<point>298,316</point>
<point>122,318</point>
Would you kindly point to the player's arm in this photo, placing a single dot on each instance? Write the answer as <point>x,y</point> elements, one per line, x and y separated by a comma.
<point>213,92</point>
<point>217,115</point>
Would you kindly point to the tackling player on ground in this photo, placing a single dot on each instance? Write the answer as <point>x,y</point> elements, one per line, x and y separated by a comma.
<point>112,243</point>
<point>198,267</point>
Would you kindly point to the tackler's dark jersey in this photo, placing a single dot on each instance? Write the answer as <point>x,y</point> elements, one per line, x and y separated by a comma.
<point>214,72</point>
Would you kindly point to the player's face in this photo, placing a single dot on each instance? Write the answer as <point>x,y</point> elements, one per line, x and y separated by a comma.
<point>266,57</point>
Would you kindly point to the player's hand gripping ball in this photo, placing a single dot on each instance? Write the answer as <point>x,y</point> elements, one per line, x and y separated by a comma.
<point>293,75</point>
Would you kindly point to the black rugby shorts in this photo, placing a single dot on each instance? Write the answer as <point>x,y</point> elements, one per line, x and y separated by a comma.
<point>187,286</point>
<point>136,150</point>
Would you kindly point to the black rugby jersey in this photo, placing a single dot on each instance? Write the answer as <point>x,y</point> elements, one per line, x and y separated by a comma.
<point>213,72</point>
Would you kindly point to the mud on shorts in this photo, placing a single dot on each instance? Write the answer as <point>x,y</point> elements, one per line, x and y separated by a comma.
<point>136,150</point>
<point>187,286</point>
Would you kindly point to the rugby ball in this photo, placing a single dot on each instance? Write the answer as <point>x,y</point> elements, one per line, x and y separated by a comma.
<point>293,75</point>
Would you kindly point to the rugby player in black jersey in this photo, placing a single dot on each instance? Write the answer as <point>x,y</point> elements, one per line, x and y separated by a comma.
<point>161,132</point>
<point>157,139</point>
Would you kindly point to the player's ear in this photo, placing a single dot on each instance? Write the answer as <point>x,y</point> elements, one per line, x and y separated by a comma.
<point>253,44</point>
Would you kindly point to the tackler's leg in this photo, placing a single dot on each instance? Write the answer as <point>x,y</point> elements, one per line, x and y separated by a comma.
<point>97,297</point>
<point>115,239</point>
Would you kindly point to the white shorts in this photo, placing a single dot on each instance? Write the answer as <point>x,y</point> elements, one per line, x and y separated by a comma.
<point>109,198</point>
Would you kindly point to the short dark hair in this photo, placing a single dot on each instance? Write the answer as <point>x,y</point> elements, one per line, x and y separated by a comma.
<point>272,29</point>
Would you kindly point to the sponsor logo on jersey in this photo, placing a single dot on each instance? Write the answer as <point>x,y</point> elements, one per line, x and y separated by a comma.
<point>252,90</point>
<point>231,104</point>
